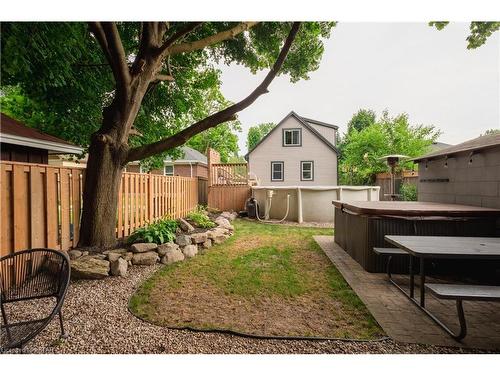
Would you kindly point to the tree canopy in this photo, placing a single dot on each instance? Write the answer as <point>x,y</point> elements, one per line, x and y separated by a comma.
<point>362,119</point>
<point>361,150</point>
<point>55,76</point>
<point>257,132</point>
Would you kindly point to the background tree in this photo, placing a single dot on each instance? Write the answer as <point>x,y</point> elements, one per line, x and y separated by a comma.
<point>363,149</point>
<point>257,132</point>
<point>362,119</point>
<point>97,82</point>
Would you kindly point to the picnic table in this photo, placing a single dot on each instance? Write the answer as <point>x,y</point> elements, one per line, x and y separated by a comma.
<point>445,247</point>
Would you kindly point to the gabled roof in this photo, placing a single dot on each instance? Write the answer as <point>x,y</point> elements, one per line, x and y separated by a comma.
<point>189,155</point>
<point>321,123</point>
<point>15,132</point>
<point>305,122</point>
<point>479,143</point>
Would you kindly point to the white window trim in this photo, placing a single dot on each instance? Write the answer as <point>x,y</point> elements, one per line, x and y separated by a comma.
<point>282,164</point>
<point>165,170</point>
<point>299,138</point>
<point>311,163</point>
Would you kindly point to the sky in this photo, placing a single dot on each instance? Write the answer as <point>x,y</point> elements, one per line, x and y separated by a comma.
<point>401,67</point>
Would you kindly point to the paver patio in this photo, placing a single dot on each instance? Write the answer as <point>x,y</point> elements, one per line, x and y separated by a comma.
<point>402,320</point>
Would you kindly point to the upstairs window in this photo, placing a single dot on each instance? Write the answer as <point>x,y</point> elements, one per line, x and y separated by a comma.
<point>306,170</point>
<point>277,171</point>
<point>292,137</point>
<point>168,170</point>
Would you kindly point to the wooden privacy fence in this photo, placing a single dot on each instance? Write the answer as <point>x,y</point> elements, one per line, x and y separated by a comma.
<point>147,197</point>
<point>228,174</point>
<point>40,205</point>
<point>229,189</point>
<point>384,181</point>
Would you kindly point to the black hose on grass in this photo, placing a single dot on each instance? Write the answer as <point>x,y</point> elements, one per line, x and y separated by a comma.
<point>262,337</point>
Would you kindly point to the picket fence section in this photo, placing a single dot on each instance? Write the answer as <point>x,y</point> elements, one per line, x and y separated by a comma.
<point>40,205</point>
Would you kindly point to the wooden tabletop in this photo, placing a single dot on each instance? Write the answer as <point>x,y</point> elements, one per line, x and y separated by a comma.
<point>448,247</point>
<point>400,208</point>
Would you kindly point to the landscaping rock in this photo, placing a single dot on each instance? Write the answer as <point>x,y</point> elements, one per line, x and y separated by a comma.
<point>143,247</point>
<point>199,237</point>
<point>219,238</point>
<point>115,251</point>
<point>190,251</point>
<point>173,256</point>
<point>182,240</point>
<point>98,256</point>
<point>119,267</point>
<point>128,256</point>
<point>74,254</point>
<point>224,223</point>
<point>207,244</point>
<point>217,232</point>
<point>162,249</point>
<point>185,226</point>
<point>112,257</point>
<point>145,259</point>
<point>89,267</point>
<point>229,215</point>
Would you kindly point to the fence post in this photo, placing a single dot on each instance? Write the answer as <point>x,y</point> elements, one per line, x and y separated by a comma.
<point>150,200</point>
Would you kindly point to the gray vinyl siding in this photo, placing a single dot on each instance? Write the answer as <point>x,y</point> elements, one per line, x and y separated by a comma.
<point>312,149</point>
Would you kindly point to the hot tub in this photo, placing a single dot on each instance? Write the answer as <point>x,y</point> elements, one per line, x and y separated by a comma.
<point>361,226</point>
<point>309,203</point>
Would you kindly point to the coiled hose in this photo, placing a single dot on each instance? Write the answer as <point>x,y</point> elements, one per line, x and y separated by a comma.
<point>268,209</point>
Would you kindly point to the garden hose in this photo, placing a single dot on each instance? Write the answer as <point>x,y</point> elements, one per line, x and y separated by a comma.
<point>268,209</point>
<point>261,337</point>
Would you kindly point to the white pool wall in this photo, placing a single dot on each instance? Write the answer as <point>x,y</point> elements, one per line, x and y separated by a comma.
<point>311,203</point>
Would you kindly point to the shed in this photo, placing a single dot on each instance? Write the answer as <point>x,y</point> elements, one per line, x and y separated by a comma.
<point>467,173</point>
<point>21,143</point>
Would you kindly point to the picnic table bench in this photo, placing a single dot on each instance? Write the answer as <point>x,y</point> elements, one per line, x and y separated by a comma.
<point>425,247</point>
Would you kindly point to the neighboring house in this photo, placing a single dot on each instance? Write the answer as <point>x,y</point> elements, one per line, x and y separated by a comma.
<point>21,143</point>
<point>192,164</point>
<point>297,152</point>
<point>467,173</point>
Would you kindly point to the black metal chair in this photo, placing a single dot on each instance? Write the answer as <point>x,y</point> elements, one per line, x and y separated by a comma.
<point>29,275</point>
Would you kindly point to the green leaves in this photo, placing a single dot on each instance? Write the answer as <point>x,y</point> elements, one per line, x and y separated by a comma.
<point>257,132</point>
<point>361,150</point>
<point>201,219</point>
<point>159,232</point>
<point>479,31</point>
<point>61,74</point>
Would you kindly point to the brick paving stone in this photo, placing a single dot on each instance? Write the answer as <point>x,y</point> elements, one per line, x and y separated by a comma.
<point>402,320</point>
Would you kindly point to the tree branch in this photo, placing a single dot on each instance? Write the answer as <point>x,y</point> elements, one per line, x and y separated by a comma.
<point>220,117</point>
<point>178,35</point>
<point>210,40</point>
<point>109,39</point>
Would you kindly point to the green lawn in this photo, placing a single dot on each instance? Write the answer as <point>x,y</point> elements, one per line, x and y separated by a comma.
<point>266,279</point>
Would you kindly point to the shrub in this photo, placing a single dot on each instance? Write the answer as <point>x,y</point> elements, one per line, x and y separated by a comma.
<point>159,232</point>
<point>408,192</point>
<point>200,218</point>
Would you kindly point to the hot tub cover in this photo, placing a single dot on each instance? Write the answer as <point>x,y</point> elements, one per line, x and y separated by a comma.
<point>398,208</point>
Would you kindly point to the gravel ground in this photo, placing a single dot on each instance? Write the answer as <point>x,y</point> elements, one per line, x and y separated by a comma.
<point>98,321</point>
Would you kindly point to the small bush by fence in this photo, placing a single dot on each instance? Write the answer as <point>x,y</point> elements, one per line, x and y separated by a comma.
<point>41,204</point>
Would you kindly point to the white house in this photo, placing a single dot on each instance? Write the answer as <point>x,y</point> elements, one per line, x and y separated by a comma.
<point>297,152</point>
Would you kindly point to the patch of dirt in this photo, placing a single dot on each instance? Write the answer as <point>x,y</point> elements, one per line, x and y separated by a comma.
<point>201,305</point>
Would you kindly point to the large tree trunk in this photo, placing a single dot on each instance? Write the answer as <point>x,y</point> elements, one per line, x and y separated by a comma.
<point>100,196</point>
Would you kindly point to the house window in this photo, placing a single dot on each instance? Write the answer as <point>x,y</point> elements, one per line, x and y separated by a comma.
<point>292,137</point>
<point>277,171</point>
<point>168,170</point>
<point>306,170</point>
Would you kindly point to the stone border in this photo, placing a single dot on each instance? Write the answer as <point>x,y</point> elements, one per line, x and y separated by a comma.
<point>115,262</point>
